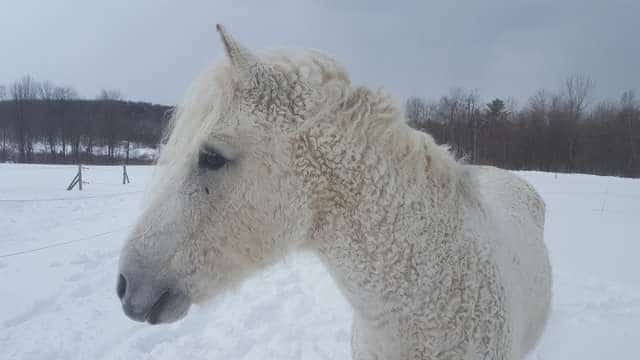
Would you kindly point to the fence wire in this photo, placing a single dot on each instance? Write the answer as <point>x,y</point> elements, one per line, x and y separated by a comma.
<point>73,198</point>
<point>62,243</point>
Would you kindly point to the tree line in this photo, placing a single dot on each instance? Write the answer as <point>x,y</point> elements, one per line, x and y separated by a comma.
<point>44,122</point>
<point>558,131</point>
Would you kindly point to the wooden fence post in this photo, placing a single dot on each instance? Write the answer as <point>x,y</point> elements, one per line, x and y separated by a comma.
<point>125,176</point>
<point>80,177</point>
<point>77,180</point>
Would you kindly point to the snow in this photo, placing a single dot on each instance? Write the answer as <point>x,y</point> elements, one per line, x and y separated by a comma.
<point>59,252</point>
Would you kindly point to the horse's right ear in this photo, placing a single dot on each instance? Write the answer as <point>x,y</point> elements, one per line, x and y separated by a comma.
<point>242,60</point>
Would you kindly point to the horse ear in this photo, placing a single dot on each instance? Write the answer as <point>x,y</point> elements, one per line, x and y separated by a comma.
<point>241,59</point>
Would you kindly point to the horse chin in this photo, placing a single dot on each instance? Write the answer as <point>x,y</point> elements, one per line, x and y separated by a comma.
<point>170,307</point>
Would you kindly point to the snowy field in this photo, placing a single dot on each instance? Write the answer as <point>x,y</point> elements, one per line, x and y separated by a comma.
<point>59,252</point>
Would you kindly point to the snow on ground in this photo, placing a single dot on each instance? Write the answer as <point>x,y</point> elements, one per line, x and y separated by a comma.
<point>59,252</point>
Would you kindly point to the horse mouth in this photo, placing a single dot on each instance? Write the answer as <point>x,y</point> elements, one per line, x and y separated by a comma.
<point>170,307</point>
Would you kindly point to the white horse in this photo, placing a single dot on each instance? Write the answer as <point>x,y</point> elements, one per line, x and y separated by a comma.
<point>275,152</point>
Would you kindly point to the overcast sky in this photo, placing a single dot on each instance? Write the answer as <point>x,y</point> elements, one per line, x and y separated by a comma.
<point>151,49</point>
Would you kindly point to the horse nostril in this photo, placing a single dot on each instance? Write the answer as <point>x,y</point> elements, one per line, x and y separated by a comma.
<point>122,286</point>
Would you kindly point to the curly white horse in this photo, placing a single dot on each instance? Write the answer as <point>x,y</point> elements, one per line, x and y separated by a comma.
<point>276,152</point>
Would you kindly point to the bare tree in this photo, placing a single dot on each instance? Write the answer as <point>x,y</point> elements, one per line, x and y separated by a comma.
<point>540,102</point>
<point>46,90</point>
<point>417,111</point>
<point>630,116</point>
<point>47,94</point>
<point>111,118</point>
<point>4,124</point>
<point>475,122</point>
<point>450,110</point>
<point>494,137</point>
<point>553,131</point>
<point>114,95</point>
<point>67,123</point>
<point>54,114</point>
<point>576,95</point>
<point>22,92</point>
<point>577,92</point>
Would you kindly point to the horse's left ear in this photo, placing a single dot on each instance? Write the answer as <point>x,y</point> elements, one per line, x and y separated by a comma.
<point>242,60</point>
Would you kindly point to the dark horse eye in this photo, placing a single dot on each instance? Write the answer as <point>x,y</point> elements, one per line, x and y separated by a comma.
<point>209,159</point>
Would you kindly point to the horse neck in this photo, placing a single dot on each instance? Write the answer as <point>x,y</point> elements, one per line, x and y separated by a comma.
<point>362,166</point>
<point>380,194</point>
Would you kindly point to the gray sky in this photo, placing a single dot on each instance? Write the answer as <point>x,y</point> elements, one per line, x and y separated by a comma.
<point>151,49</point>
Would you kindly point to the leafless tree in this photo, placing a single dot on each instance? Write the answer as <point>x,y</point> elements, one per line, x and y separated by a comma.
<point>577,92</point>
<point>46,90</point>
<point>47,94</point>
<point>68,124</point>
<point>111,94</point>
<point>576,95</point>
<point>111,118</point>
<point>552,131</point>
<point>630,116</point>
<point>4,124</point>
<point>54,114</point>
<point>419,112</point>
<point>22,92</point>
<point>416,109</point>
<point>476,122</point>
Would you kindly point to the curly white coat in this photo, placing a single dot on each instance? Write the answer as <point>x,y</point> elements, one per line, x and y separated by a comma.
<point>439,260</point>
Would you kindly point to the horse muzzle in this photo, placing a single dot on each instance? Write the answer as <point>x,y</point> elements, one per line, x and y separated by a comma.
<point>144,301</point>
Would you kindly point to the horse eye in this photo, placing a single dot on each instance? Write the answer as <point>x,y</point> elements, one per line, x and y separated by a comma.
<point>210,159</point>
